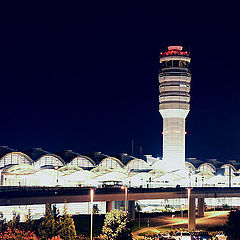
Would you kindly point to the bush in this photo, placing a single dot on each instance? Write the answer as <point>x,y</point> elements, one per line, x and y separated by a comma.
<point>117,226</point>
<point>231,228</point>
<point>16,234</point>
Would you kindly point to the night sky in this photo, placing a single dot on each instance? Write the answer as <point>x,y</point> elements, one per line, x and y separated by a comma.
<point>83,75</point>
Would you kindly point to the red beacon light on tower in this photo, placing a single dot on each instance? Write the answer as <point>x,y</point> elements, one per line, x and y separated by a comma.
<point>175,51</point>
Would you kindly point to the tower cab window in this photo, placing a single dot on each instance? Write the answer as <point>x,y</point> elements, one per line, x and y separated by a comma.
<point>164,65</point>
<point>169,63</point>
<point>184,64</point>
<point>175,63</point>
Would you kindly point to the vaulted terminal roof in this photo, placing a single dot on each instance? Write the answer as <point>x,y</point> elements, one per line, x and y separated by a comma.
<point>42,158</point>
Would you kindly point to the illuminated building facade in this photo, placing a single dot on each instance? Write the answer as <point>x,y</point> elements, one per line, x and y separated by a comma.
<point>174,106</point>
<point>37,167</point>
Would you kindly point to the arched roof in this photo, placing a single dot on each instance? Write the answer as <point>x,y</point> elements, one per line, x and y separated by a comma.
<point>194,161</point>
<point>215,162</point>
<point>113,158</point>
<point>20,153</point>
<point>85,157</point>
<point>229,165</point>
<point>52,155</point>
<point>234,163</point>
<point>35,153</point>
<point>67,155</point>
<point>208,164</point>
<point>124,158</point>
<point>137,159</point>
<point>97,157</point>
<point>190,164</point>
<point>4,150</point>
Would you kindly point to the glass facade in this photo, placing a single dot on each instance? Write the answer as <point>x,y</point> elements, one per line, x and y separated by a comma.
<point>82,162</point>
<point>48,160</point>
<point>14,158</point>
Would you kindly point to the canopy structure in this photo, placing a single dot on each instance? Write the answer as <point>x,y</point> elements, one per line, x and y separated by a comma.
<point>68,169</point>
<point>79,178</point>
<point>37,167</point>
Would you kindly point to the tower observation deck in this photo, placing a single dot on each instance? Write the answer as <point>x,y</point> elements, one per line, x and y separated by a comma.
<point>174,79</point>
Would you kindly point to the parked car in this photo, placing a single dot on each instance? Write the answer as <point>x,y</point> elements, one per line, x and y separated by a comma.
<point>182,236</point>
<point>201,236</point>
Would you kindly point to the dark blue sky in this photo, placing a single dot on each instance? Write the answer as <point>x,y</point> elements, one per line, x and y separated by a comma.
<point>83,76</point>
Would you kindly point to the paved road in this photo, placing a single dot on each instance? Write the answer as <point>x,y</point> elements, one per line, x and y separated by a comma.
<point>210,219</point>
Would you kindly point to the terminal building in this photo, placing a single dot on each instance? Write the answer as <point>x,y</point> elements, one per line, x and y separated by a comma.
<point>66,168</point>
<point>37,167</point>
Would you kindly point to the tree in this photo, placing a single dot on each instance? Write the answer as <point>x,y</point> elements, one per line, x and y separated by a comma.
<point>29,224</point>
<point>55,212</point>
<point>66,226</point>
<point>47,227</point>
<point>15,222</point>
<point>117,226</point>
<point>3,223</point>
<point>138,209</point>
<point>231,228</point>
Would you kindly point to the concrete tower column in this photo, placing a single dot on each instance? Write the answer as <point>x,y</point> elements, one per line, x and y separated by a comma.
<point>109,206</point>
<point>131,209</point>
<point>174,106</point>
<point>201,207</point>
<point>191,213</point>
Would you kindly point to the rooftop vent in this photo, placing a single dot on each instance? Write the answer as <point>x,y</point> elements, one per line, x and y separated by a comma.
<point>37,148</point>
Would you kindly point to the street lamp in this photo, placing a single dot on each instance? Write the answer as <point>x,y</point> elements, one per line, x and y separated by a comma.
<point>172,221</point>
<point>126,191</point>
<point>188,193</point>
<point>189,205</point>
<point>91,197</point>
<point>182,210</point>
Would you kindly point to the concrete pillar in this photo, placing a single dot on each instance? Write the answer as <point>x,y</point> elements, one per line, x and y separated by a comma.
<point>109,206</point>
<point>191,213</point>
<point>201,207</point>
<point>131,209</point>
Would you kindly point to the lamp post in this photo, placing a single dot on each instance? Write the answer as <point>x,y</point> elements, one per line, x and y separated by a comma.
<point>181,210</point>
<point>91,197</point>
<point>172,221</point>
<point>126,191</point>
<point>188,193</point>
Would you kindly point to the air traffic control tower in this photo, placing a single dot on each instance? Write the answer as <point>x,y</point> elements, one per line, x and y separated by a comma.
<point>174,79</point>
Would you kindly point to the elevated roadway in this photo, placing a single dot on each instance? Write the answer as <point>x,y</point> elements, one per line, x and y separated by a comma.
<point>41,195</point>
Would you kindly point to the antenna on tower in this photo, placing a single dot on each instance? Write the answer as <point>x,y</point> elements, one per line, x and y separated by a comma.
<point>189,49</point>
<point>140,150</point>
<point>132,147</point>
